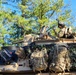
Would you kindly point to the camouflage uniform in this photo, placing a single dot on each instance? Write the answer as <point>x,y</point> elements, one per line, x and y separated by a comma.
<point>64,31</point>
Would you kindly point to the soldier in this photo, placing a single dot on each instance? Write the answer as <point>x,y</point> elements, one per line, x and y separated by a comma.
<point>64,31</point>
<point>44,34</point>
<point>43,31</point>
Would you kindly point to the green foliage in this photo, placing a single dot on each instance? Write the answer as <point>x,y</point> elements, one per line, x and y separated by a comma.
<point>34,15</point>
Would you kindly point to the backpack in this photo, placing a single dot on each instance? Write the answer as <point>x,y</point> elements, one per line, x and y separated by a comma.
<point>38,60</point>
<point>23,52</point>
<point>60,59</point>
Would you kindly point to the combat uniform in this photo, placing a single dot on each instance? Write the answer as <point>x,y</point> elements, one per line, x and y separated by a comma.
<point>65,32</point>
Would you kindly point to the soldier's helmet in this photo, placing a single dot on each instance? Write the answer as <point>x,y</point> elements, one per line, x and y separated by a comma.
<point>61,24</point>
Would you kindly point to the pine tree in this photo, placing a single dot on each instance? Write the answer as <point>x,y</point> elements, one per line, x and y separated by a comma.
<point>33,14</point>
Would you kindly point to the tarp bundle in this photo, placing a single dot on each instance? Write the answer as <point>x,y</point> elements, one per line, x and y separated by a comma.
<point>7,57</point>
<point>60,59</point>
<point>38,60</point>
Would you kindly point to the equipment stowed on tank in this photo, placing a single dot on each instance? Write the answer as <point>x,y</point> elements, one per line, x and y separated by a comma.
<point>10,62</point>
<point>21,63</point>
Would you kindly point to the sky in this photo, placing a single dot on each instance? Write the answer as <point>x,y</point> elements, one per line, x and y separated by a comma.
<point>72,4</point>
<point>73,7</point>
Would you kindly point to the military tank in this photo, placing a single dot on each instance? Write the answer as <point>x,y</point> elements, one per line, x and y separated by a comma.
<point>20,62</point>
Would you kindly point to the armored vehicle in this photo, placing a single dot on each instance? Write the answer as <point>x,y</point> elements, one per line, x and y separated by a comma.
<point>18,58</point>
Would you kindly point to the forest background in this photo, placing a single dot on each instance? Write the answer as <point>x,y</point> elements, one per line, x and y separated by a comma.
<point>21,17</point>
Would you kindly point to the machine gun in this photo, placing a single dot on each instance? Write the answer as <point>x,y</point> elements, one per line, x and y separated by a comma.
<point>50,28</point>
